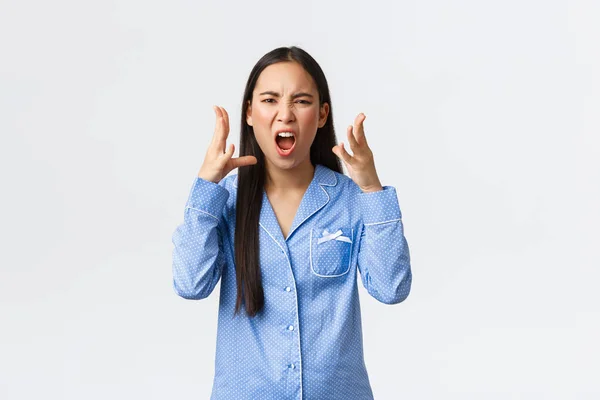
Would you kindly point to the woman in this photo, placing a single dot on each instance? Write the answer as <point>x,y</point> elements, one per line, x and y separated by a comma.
<point>286,236</point>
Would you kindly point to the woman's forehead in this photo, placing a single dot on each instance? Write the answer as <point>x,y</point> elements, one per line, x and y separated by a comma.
<point>285,77</point>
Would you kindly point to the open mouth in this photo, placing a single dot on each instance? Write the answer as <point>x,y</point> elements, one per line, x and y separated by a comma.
<point>285,142</point>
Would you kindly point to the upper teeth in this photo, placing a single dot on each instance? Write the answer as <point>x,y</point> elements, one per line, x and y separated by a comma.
<point>285,134</point>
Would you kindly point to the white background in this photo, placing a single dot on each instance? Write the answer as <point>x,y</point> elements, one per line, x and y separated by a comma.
<point>483,115</point>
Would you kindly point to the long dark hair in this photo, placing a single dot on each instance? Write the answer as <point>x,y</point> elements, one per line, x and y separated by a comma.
<point>251,179</point>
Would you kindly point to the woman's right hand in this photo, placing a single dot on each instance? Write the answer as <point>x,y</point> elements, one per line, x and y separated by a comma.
<point>218,162</point>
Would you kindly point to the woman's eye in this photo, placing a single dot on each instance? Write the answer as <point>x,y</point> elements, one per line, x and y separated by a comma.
<point>297,101</point>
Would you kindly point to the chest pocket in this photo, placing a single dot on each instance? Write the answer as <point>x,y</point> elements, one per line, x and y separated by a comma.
<point>330,251</point>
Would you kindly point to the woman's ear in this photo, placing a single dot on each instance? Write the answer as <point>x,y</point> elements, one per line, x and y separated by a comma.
<point>323,114</point>
<point>249,113</point>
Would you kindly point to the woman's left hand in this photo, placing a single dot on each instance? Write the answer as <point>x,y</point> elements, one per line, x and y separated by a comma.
<point>360,165</point>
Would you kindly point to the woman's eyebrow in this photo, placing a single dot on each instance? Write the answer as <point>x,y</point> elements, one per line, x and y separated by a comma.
<point>301,94</point>
<point>294,96</point>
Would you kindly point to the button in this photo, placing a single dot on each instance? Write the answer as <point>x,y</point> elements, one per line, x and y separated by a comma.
<point>287,289</point>
<point>292,366</point>
<point>291,327</point>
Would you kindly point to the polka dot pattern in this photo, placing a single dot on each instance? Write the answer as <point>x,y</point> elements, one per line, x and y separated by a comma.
<point>306,343</point>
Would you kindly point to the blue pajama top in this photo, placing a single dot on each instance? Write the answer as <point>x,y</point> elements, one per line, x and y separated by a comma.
<point>306,343</point>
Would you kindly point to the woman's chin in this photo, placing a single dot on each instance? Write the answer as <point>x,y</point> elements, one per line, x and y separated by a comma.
<point>287,163</point>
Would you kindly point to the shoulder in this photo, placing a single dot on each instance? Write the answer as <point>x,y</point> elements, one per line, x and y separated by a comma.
<point>330,177</point>
<point>344,181</point>
<point>336,183</point>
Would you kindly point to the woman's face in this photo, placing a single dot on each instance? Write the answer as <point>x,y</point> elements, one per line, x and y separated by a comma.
<point>285,99</point>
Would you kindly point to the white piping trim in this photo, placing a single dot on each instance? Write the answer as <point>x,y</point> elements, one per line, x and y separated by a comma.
<point>313,213</point>
<point>269,233</point>
<point>311,258</point>
<point>297,308</point>
<point>192,208</point>
<point>383,222</point>
<point>334,180</point>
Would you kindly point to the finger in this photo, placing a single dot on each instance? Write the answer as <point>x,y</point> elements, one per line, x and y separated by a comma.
<point>226,120</point>
<point>218,114</point>
<point>351,139</point>
<point>225,159</point>
<point>220,135</point>
<point>341,152</point>
<point>217,111</point>
<point>227,153</point>
<point>243,161</point>
<point>359,132</point>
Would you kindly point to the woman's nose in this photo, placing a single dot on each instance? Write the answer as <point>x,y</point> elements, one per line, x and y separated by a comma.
<point>285,113</point>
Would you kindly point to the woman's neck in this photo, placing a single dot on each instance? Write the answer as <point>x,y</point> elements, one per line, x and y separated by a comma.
<point>280,180</point>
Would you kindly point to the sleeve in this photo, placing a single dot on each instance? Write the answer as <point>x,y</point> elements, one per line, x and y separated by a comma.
<point>383,255</point>
<point>198,256</point>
